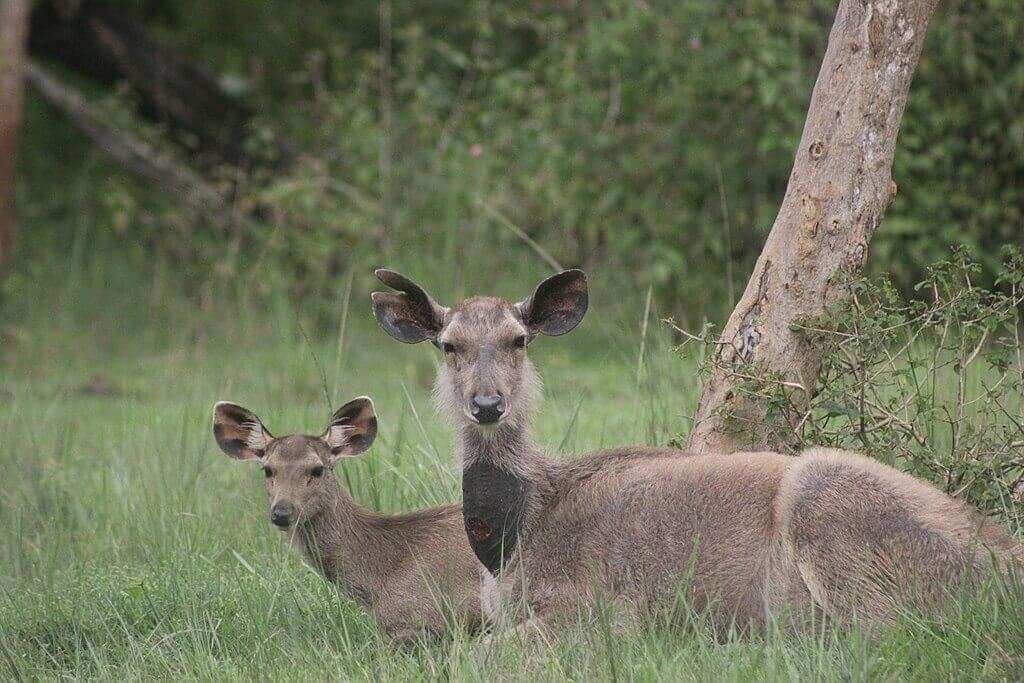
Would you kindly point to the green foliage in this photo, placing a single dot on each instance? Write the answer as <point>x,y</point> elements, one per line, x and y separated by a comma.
<point>933,385</point>
<point>133,549</point>
<point>961,151</point>
<point>651,138</point>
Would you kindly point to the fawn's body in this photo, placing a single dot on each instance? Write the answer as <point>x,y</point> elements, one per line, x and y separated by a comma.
<point>749,535</point>
<point>415,572</point>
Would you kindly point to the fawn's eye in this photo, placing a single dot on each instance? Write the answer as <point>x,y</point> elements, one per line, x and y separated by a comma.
<point>317,471</point>
<point>267,472</point>
<point>448,347</point>
<point>519,342</point>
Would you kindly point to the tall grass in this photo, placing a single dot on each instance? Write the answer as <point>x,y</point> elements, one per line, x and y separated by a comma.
<point>132,549</point>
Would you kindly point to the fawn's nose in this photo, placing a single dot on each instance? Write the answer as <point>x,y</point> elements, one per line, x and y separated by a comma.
<point>281,515</point>
<point>487,409</point>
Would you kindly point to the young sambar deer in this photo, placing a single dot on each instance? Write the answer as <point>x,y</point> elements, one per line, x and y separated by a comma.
<point>748,536</point>
<point>414,572</point>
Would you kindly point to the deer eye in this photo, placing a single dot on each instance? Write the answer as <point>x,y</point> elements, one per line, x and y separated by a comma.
<point>317,471</point>
<point>267,472</point>
<point>519,342</point>
<point>448,347</point>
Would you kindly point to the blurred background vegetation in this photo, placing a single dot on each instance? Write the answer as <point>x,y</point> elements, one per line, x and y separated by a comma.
<point>272,153</point>
<point>648,139</point>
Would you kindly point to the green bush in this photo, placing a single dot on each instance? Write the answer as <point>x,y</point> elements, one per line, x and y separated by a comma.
<point>648,137</point>
<point>933,385</point>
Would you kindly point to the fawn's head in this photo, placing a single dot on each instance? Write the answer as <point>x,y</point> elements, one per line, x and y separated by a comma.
<point>295,466</point>
<point>485,379</point>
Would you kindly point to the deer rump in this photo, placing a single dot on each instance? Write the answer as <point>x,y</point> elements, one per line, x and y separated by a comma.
<point>745,537</point>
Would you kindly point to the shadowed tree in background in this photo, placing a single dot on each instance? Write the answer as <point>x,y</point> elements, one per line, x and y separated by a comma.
<point>110,46</point>
<point>216,135</point>
<point>13,27</point>
<point>839,188</point>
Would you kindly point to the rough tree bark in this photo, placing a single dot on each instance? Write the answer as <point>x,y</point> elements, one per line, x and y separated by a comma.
<point>838,190</point>
<point>13,29</point>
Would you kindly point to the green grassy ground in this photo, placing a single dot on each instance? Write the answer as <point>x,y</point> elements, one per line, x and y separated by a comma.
<point>131,548</point>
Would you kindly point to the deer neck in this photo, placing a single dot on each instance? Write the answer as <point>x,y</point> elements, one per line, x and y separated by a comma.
<point>339,543</point>
<point>505,483</point>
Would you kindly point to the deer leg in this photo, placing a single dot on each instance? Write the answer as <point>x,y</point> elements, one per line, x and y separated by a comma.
<point>868,541</point>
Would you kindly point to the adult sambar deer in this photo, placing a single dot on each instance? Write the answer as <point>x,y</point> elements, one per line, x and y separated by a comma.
<point>414,572</point>
<point>748,535</point>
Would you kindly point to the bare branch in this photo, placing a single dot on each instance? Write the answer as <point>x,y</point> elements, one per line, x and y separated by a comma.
<point>132,153</point>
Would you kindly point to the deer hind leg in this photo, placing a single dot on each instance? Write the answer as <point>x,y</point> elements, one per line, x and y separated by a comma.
<point>868,540</point>
<point>788,602</point>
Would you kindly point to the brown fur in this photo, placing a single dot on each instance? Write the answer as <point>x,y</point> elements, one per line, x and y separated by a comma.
<point>749,536</point>
<point>414,572</point>
<point>482,332</point>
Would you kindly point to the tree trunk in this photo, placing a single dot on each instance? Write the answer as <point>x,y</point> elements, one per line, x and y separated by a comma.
<point>839,188</point>
<point>13,28</point>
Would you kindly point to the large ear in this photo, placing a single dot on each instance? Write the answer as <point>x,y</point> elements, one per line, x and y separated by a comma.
<point>557,305</point>
<point>410,316</point>
<point>239,433</point>
<point>352,429</point>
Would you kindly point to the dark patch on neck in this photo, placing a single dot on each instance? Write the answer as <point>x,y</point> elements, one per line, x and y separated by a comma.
<point>493,504</point>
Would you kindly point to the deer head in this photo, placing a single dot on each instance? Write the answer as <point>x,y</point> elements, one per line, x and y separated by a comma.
<point>295,466</point>
<point>486,379</point>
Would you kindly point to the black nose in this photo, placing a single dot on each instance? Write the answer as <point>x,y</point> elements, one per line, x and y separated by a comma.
<point>487,409</point>
<point>281,515</point>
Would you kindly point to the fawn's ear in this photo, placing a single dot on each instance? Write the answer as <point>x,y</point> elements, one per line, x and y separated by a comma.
<point>410,316</point>
<point>239,433</point>
<point>352,429</point>
<point>557,305</point>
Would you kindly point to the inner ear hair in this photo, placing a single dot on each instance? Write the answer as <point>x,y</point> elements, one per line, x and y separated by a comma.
<point>239,432</point>
<point>352,428</point>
